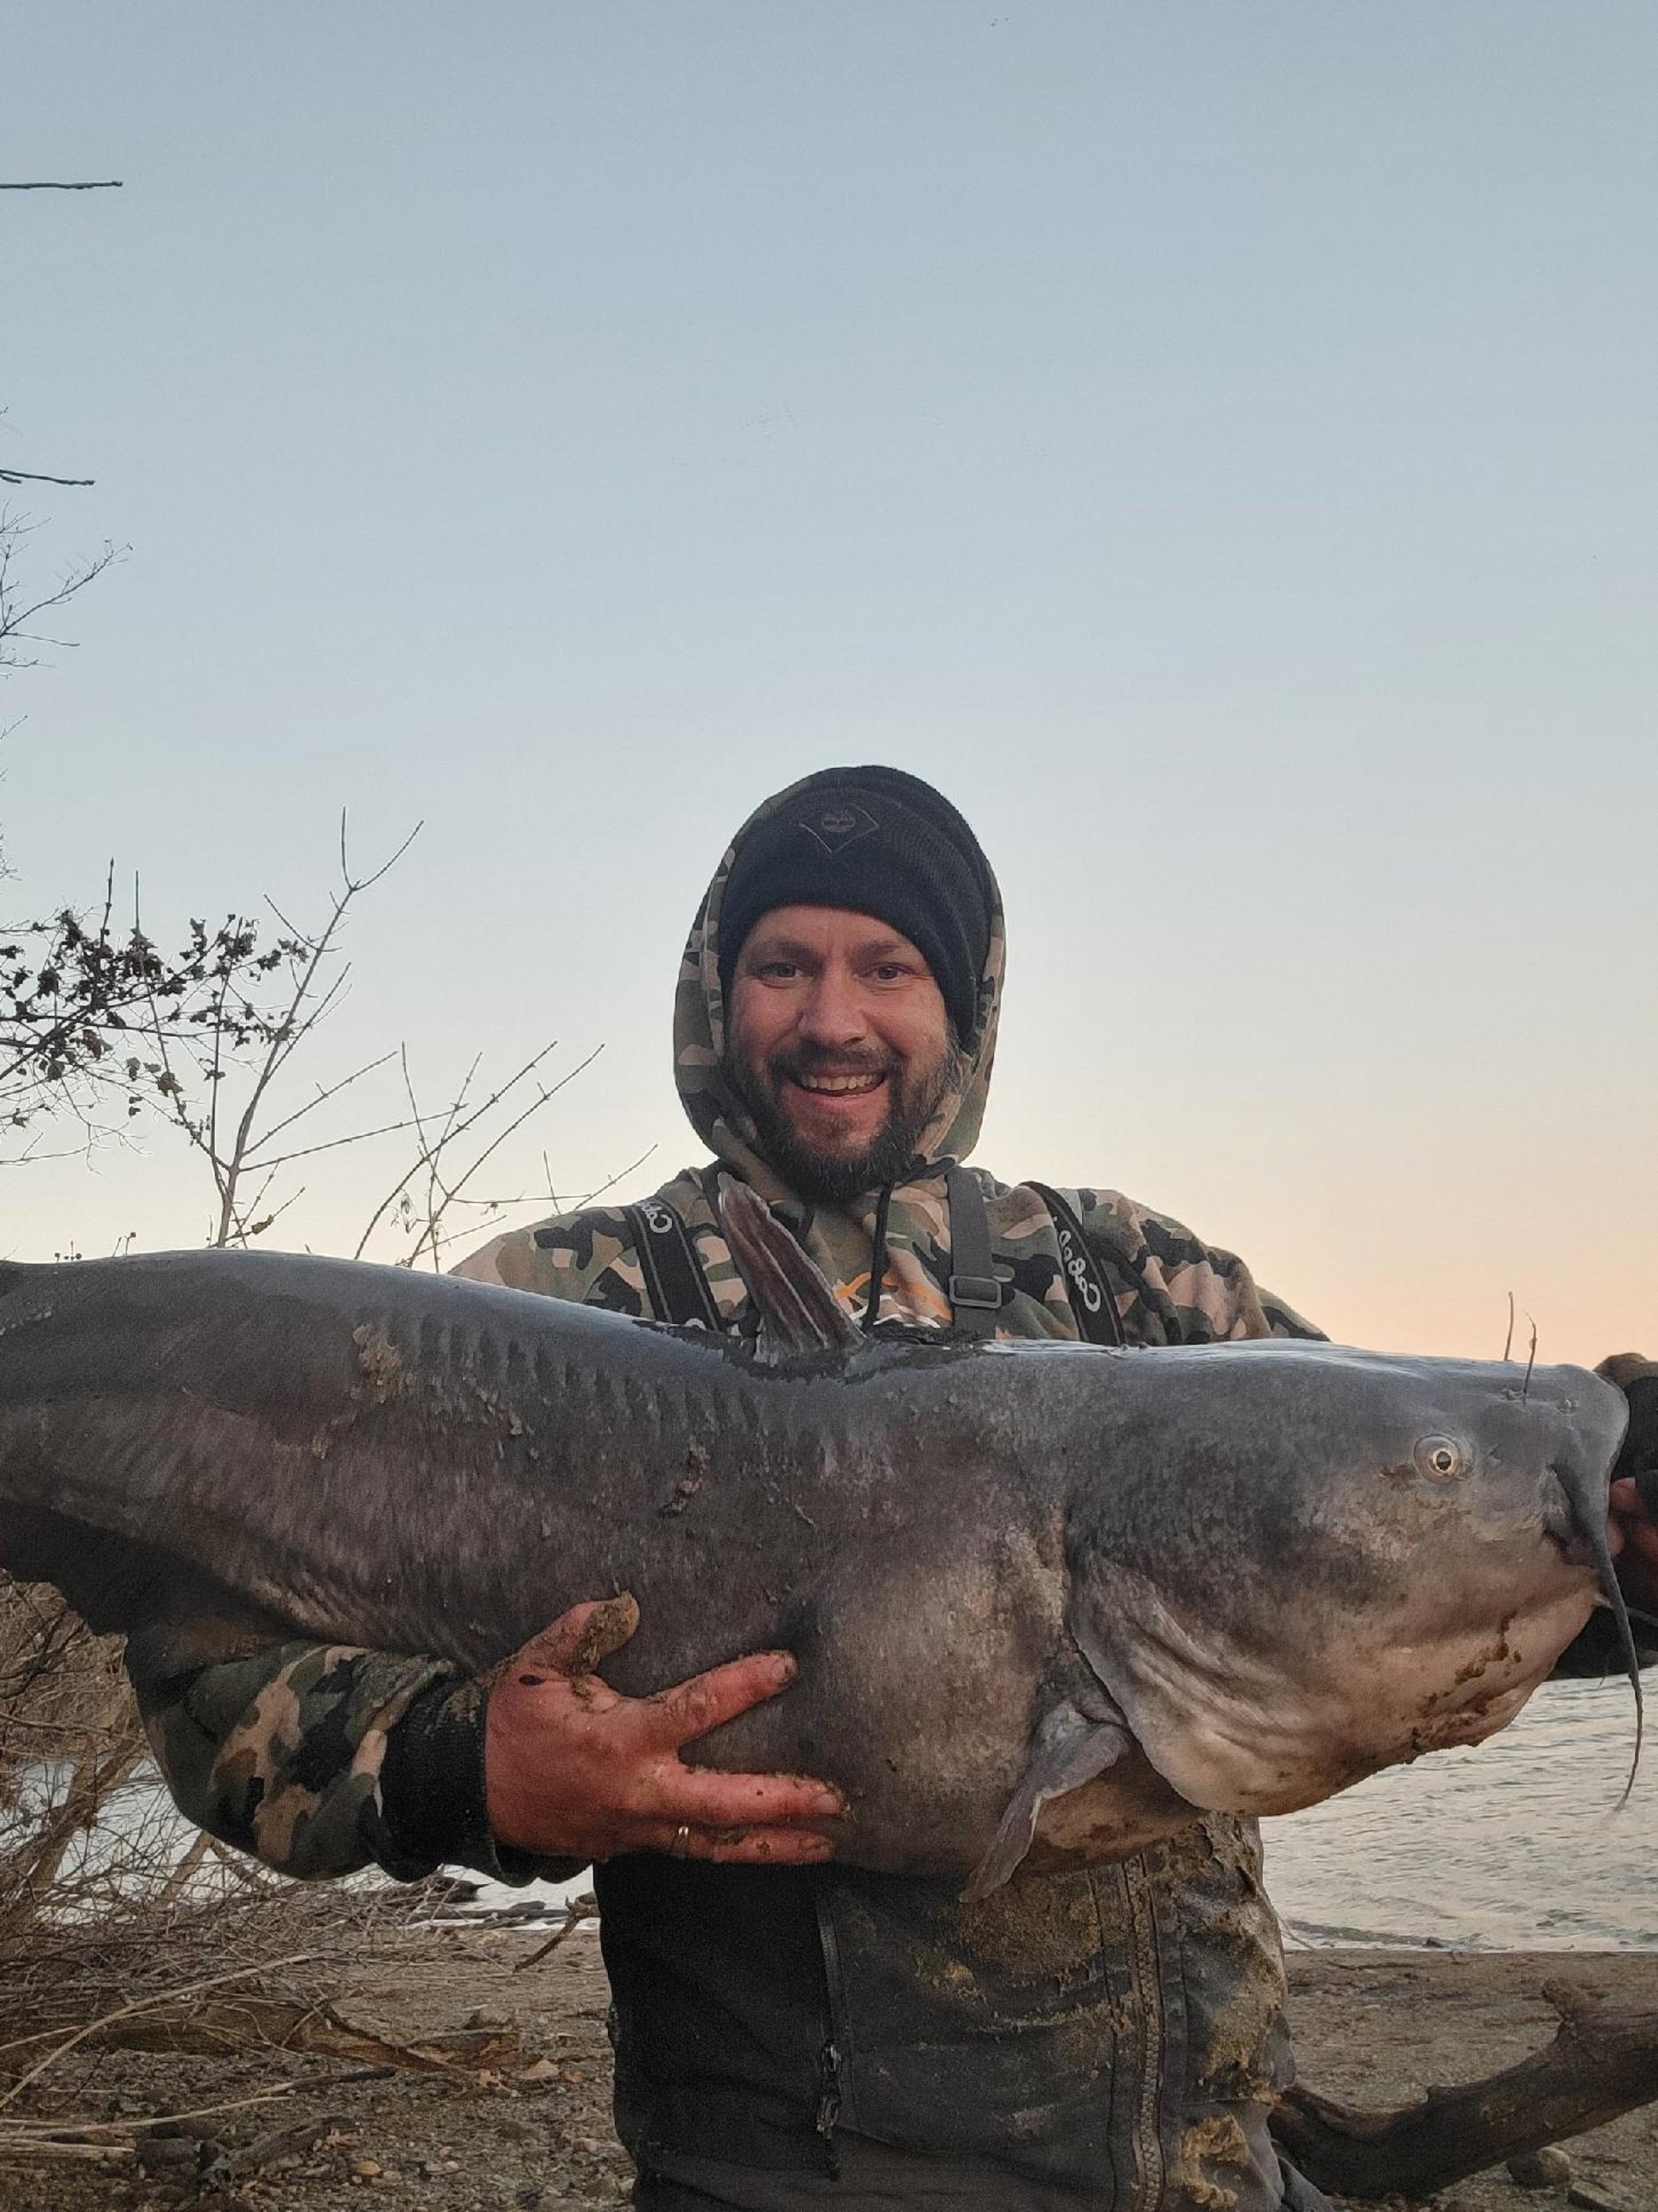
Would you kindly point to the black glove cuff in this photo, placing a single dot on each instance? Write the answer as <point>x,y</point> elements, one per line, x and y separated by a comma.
<point>434,1806</point>
<point>431,1800</point>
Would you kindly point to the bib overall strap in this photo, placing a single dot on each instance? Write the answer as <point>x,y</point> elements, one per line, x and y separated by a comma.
<point>675,1281</point>
<point>1097,1317</point>
<point>975,1290</point>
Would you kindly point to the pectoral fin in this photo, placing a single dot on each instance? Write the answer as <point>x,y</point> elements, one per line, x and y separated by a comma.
<point>1070,1747</point>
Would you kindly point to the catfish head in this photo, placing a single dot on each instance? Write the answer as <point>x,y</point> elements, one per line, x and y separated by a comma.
<point>1298,1564</point>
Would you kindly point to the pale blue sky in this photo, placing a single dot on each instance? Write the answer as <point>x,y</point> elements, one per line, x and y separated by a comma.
<point>1216,442</point>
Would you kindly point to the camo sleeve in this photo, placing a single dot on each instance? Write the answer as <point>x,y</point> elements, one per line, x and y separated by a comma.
<point>322,1760</point>
<point>587,1256</point>
<point>1171,1288</point>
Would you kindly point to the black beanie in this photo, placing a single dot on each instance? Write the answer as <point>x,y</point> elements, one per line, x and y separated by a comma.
<point>876,841</point>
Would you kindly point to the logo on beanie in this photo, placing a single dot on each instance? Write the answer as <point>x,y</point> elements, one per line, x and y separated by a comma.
<point>838,826</point>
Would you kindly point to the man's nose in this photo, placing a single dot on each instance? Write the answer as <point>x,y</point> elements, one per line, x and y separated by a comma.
<point>833,1012</point>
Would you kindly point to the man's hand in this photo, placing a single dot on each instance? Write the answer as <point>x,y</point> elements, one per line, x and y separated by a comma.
<point>574,1770</point>
<point>1637,1470</point>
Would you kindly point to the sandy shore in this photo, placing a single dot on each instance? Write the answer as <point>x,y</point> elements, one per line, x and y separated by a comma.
<point>531,2134</point>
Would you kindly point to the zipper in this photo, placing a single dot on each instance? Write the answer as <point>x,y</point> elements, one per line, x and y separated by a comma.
<point>829,2095</point>
<point>1148,2170</point>
<point>833,2098</point>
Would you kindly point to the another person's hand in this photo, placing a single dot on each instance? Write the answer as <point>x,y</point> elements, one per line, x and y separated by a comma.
<point>1636,1469</point>
<point>575,1770</point>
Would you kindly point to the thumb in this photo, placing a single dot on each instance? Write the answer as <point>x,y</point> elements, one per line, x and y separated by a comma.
<point>578,1639</point>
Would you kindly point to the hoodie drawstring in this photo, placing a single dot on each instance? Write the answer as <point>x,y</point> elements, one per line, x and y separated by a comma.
<point>878,1258</point>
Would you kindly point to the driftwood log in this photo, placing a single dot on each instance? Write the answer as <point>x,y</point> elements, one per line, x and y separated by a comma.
<point>1603,2062</point>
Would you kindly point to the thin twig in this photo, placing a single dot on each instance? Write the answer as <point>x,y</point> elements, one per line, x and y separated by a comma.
<point>456,1129</point>
<point>451,1192</point>
<point>151,2120</point>
<point>42,2146</point>
<point>258,1161</point>
<point>298,1021</point>
<point>324,1094</point>
<point>584,1907</point>
<point>567,1201</point>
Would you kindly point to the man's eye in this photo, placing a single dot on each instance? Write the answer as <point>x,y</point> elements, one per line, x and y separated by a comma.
<point>891,972</point>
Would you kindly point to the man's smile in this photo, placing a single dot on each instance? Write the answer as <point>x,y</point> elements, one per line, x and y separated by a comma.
<point>840,1086</point>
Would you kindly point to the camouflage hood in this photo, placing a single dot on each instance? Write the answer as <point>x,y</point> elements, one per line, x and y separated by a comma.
<point>719,1117</point>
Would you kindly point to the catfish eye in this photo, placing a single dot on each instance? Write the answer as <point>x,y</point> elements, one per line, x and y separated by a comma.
<point>1439,1457</point>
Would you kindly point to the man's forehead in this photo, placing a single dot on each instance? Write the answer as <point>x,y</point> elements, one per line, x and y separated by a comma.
<point>818,929</point>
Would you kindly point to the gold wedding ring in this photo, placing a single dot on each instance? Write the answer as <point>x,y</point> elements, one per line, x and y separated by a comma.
<point>682,1842</point>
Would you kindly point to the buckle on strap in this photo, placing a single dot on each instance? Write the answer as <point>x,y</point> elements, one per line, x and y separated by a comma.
<point>983,1291</point>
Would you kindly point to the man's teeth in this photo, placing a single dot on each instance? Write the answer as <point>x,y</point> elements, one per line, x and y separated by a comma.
<point>840,1083</point>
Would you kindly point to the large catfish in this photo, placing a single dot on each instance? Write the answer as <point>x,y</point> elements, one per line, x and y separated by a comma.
<point>1048,1599</point>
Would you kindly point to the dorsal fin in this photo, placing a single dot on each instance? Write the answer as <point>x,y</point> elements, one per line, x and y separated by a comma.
<point>799,1314</point>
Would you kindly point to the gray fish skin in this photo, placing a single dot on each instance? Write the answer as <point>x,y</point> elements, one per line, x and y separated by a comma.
<point>1046,1598</point>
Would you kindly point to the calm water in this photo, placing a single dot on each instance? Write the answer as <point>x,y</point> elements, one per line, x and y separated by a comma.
<point>1514,1842</point>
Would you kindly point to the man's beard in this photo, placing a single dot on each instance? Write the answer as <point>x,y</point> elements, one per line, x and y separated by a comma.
<point>915,1100</point>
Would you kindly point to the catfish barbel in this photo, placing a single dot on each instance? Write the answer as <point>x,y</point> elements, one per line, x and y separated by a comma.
<point>1046,1599</point>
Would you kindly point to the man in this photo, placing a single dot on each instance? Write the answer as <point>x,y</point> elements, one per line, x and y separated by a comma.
<point>790,2033</point>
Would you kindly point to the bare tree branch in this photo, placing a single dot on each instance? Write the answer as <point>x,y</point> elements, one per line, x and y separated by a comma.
<point>32,476</point>
<point>455,1126</point>
<point>304,1009</point>
<point>324,1095</point>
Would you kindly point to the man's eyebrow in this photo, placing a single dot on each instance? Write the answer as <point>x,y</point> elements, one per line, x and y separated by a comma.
<point>763,947</point>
